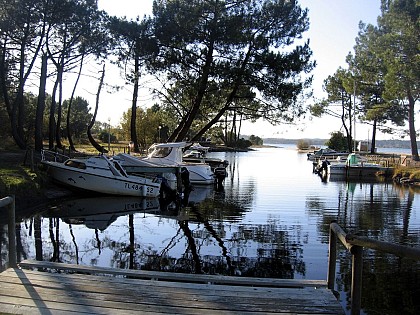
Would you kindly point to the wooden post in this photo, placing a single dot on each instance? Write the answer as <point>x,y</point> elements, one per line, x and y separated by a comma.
<point>356,279</point>
<point>332,257</point>
<point>9,202</point>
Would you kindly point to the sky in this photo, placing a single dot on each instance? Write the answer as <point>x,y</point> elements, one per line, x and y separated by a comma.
<point>334,25</point>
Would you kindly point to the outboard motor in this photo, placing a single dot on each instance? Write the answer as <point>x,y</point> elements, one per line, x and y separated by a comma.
<point>166,191</point>
<point>220,175</point>
<point>185,178</point>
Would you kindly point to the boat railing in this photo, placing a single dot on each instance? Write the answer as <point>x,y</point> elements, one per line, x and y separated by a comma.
<point>49,155</point>
<point>355,245</point>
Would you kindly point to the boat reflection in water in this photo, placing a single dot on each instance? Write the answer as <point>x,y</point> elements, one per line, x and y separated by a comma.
<point>99,212</point>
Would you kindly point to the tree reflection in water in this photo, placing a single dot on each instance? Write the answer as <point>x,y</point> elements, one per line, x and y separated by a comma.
<point>389,282</point>
<point>264,250</point>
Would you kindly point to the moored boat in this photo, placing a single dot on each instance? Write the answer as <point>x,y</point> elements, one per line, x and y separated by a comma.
<point>356,166</point>
<point>101,175</point>
<point>326,153</point>
<point>171,154</point>
<point>198,154</point>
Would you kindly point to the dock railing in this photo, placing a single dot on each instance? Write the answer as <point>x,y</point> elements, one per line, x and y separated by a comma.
<point>9,203</point>
<point>355,245</point>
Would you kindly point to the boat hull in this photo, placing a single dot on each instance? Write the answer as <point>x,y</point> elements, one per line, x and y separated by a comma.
<point>359,171</point>
<point>200,174</point>
<point>105,184</point>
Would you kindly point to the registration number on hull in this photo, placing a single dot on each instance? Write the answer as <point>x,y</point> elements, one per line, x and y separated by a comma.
<point>133,186</point>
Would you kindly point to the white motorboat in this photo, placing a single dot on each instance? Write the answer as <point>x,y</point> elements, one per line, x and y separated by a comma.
<point>355,166</point>
<point>102,175</point>
<point>170,155</point>
<point>136,166</point>
<point>198,154</point>
<point>326,153</point>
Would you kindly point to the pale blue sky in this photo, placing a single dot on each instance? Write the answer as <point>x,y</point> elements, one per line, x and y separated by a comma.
<point>333,29</point>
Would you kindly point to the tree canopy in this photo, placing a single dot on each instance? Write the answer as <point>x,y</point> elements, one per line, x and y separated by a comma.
<point>384,72</point>
<point>231,58</point>
<point>215,61</point>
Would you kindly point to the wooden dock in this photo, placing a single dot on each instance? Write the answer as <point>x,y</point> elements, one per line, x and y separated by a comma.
<point>38,287</point>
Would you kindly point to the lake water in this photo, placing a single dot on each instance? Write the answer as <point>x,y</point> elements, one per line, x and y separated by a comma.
<point>271,219</point>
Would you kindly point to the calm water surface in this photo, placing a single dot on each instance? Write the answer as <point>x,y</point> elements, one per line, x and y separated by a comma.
<point>270,220</point>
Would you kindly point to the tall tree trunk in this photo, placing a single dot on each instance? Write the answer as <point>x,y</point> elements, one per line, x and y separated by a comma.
<point>412,127</point>
<point>51,124</point>
<point>71,144</point>
<point>14,122</point>
<point>232,136</point>
<point>343,122</point>
<point>60,101</point>
<point>239,128</point>
<point>9,105</point>
<point>96,145</point>
<point>40,107</point>
<point>133,129</point>
<point>373,144</point>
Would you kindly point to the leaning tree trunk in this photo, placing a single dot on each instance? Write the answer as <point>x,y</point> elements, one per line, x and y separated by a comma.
<point>95,144</point>
<point>71,144</point>
<point>200,93</point>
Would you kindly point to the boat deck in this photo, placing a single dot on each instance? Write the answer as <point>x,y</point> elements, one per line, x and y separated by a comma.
<point>75,289</point>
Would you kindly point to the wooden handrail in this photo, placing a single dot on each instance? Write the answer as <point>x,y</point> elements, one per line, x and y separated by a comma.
<point>355,245</point>
<point>9,202</point>
<point>397,250</point>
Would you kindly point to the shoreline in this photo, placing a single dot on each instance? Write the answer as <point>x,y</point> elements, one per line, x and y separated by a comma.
<point>32,189</point>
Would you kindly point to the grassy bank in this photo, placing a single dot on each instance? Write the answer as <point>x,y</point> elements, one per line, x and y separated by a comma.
<point>19,180</point>
<point>411,173</point>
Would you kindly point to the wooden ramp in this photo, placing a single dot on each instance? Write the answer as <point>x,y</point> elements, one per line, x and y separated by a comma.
<point>73,289</point>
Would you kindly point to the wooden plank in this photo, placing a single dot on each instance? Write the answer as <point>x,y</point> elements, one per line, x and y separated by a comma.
<point>39,292</point>
<point>132,303</point>
<point>196,293</point>
<point>180,277</point>
<point>60,281</point>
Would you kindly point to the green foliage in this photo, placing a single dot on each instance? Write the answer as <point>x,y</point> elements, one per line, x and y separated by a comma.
<point>241,144</point>
<point>302,144</point>
<point>150,128</point>
<point>80,117</point>
<point>104,136</point>
<point>337,141</point>
<point>255,140</point>
<point>216,56</point>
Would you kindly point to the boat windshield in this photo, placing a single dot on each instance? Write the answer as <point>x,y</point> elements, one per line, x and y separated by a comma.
<point>161,152</point>
<point>75,164</point>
